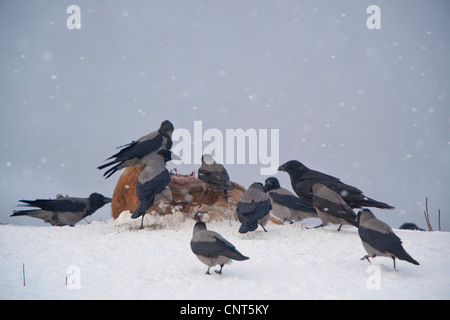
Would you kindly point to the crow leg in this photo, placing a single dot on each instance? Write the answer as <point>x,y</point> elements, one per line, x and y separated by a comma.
<point>219,271</point>
<point>339,229</point>
<point>207,271</point>
<point>319,226</point>
<point>366,257</point>
<point>142,222</point>
<point>393,259</point>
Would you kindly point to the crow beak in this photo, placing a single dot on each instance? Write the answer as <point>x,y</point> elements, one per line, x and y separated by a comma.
<point>282,168</point>
<point>107,200</point>
<point>175,157</point>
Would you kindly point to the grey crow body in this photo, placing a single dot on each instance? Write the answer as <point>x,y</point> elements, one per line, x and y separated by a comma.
<point>378,239</point>
<point>331,208</point>
<point>211,248</point>
<point>253,208</point>
<point>136,152</point>
<point>303,178</point>
<point>63,211</point>
<point>152,182</point>
<point>286,206</point>
<point>214,175</point>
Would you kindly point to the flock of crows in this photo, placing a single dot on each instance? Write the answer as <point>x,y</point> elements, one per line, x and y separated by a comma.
<point>317,195</point>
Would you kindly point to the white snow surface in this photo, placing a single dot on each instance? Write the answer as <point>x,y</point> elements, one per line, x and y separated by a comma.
<point>116,260</point>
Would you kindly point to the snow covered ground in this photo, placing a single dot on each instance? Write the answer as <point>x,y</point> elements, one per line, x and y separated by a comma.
<point>115,260</point>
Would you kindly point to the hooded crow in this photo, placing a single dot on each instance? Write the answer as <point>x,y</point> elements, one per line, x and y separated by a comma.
<point>410,226</point>
<point>63,211</point>
<point>331,208</point>
<point>303,178</point>
<point>214,175</point>
<point>253,208</point>
<point>211,248</point>
<point>152,182</point>
<point>136,152</point>
<point>378,239</point>
<point>286,206</point>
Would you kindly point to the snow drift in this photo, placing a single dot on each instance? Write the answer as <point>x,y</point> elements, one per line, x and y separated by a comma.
<point>114,260</point>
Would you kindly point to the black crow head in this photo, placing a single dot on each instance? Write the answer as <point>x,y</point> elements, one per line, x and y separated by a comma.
<point>200,217</point>
<point>410,226</point>
<point>271,183</point>
<point>364,214</point>
<point>293,167</point>
<point>207,159</point>
<point>166,128</point>
<point>257,185</point>
<point>97,201</point>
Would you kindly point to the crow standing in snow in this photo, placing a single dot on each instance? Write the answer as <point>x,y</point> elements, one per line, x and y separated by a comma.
<point>285,205</point>
<point>63,211</point>
<point>152,182</point>
<point>211,248</point>
<point>410,226</point>
<point>253,208</point>
<point>378,239</point>
<point>331,208</point>
<point>214,175</point>
<point>303,178</point>
<point>136,152</point>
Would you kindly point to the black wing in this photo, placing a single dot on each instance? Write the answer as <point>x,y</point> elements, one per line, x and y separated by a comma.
<point>249,213</point>
<point>151,188</point>
<point>139,149</point>
<point>147,191</point>
<point>384,242</point>
<point>263,208</point>
<point>291,202</point>
<point>342,211</point>
<point>135,149</point>
<point>211,249</point>
<point>66,205</point>
<point>220,179</point>
<point>245,207</point>
<point>220,247</point>
<point>303,187</point>
<point>318,176</point>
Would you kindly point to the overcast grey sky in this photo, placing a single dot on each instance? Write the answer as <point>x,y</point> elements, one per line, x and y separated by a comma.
<point>368,106</point>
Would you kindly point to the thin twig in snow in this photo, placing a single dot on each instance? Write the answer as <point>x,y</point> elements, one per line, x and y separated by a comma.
<point>439,219</point>
<point>427,215</point>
